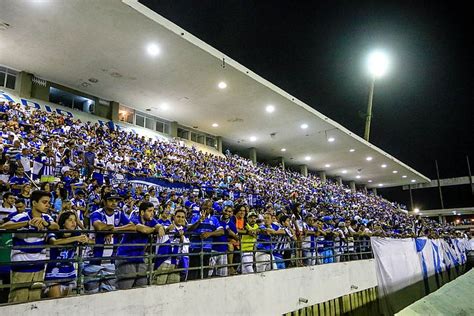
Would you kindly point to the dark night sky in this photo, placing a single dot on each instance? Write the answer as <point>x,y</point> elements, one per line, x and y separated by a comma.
<point>423,108</point>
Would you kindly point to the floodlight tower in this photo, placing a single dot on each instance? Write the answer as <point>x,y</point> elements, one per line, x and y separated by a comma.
<point>378,65</point>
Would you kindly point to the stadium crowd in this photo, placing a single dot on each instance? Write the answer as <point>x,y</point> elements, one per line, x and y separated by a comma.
<point>72,180</point>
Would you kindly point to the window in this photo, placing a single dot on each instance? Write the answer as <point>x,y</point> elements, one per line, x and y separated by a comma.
<point>150,123</point>
<point>140,120</point>
<point>126,114</point>
<point>201,139</point>
<point>210,142</point>
<point>71,100</point>
<point>7,77</point>
<point>160,127</point>
<point>194,137</point>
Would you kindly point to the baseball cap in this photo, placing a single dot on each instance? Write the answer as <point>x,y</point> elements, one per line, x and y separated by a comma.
<point>112,195</point>
<point>252,213</point>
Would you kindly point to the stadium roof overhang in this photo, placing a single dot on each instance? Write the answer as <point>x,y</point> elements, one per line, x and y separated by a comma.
<point>69,42</point>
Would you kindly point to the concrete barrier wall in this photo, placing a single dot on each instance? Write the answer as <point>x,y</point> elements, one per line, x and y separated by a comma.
<point>269,293</point>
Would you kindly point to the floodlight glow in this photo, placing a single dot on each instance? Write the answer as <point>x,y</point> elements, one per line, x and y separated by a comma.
<point>253,138</point>
<point>283,149</point>
<point>352,150</point>
<point>370,181</point>
<point>413,180</point>
<point>384,166</point>
<point>358,177</point>
<point>380,184</point>
<point>164,106</point>
<point>394,171</point>
<point>153,50</point>
<point>304,126</point>
<point>416,210</point>
<point>404,177</point>
<point>344,171</point>
<point>307,158</point>
<point>331,139</point>
<point>378,64</point>
<point>327,165</point>
<point>215,125</point>
<point>222,85</point>
<point>368,158</point>
<point>270,108</point>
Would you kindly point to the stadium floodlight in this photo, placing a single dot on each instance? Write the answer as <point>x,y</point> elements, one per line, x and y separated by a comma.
<point>378,65</point>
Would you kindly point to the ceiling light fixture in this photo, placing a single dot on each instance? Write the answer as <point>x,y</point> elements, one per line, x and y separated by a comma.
<point>222,85</point>
<point>307,158</point>
<point>304,126</point>
<point>283,149</point>
<point>253,138</point>
<point>394,171</point>
<point>153,50</point>
<point>270,108</point>
<point>344,171</point>
<point>384,166</point>
<point>327,165</point>
<point>352,150</point>
<point>368,158</point>
<point>215,125</point>
<point>331,139</point>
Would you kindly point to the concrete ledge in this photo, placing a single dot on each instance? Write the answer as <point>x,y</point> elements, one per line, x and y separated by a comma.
<point>453,298</point>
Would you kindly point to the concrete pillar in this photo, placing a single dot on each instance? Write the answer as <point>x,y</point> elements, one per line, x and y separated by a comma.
<point>339,180</point>
<point>114,114</point>
<point>304,170</point>
<point>24,84</point>
<point>253,154</point>
<point>219,143</point>
<point>174,129</point>
<point>364,188</point>
<point>352,185</point>
<point>322,176</point>
<point>281,162</point>
<point>374,191</point>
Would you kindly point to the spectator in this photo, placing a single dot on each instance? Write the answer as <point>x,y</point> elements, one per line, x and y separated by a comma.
<point>61,276</point>
<point>249,237</point>
<point>27,276</point>
<point>131,268</point>
<point>204,227</point>
<point>168,252</point>
<point>8,205</point>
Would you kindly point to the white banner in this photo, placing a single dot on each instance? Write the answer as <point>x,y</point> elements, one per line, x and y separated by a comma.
<point>407,269</point>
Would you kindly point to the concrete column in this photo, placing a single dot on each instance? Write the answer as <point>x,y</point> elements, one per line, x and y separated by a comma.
<point>281,162</point>
<point>173,129</point>
<point>374,191</point>
<point>339,180</point>
<point>322,176</point>
<point>304,170</point>
<point>253,154</point>
<point>364,188</point>
<point>352,185</point>
<point>219,143</point>
<point>24,84</point>
<point>114,114</point>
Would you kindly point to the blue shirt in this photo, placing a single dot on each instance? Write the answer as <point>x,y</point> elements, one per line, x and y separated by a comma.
<point>119,219</point>
<point>224,238</point>
<point>209,224</point>
<point>17,180</point>
<point>28,254</point>
<point>264,239</point>
<point>138,238</point>
<point>65,269</point>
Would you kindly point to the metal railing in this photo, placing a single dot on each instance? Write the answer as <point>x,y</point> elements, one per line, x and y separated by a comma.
<point>200,261</point>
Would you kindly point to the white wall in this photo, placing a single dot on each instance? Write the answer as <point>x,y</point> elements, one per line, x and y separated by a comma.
<point>270,293</point>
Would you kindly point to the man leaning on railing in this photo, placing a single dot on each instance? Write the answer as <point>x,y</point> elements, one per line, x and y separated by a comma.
<point>27,277</point>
